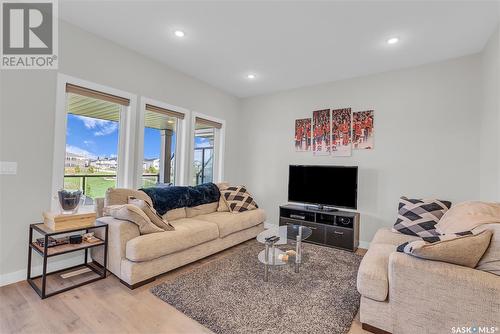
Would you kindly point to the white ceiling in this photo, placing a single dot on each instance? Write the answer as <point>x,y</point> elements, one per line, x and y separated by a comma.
<point>288,44</point>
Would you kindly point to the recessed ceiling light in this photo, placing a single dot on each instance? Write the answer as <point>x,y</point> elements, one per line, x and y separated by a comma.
<point>251,76</point>
<point>179,33</point>
<point>170,121</point>
<point>392,40</point>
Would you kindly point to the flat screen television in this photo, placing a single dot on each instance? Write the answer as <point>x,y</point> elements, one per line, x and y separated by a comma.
<point>335,186</point>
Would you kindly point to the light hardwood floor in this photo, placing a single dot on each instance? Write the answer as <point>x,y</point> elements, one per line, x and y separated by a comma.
<point>106,306</point>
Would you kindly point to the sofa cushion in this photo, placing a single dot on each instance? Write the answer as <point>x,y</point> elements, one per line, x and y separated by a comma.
<point>188,232</point>
<point>490,261</point>
<point>419,217</point>
<point>373,277</point>
<point>229,223</point>
<point>466,216</point>
<point>385,236</point>
<point>464,249</point>
<point>175,214</point>
<point>476,216</point>
<point>222,185</point>
<point>222,203</point>
<point>202,209</point>
<point>116,196</point>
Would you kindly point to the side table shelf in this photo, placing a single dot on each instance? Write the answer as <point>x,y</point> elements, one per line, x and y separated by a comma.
<point>67,248</point>
<point>94,271</point>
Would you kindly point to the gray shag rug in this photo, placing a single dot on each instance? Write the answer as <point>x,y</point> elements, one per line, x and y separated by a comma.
<point>228,294</point>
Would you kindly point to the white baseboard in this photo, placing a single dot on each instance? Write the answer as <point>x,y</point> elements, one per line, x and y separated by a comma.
<point>364,244</point>
<point>20,275</point>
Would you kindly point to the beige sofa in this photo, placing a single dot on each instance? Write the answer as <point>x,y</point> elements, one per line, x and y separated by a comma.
<point>404,294</point>
<point>199,232</point>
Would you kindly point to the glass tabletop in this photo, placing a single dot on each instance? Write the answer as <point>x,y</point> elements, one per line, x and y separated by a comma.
<point>275,254</point>
<point>285,233</point>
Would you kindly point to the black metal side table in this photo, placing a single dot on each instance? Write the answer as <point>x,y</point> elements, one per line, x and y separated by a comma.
<point>96,272</point>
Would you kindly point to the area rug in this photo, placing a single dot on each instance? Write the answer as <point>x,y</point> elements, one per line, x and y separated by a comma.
<point>228,294</point>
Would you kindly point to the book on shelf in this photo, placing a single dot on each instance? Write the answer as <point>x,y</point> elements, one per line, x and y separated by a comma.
<point>52,241</point>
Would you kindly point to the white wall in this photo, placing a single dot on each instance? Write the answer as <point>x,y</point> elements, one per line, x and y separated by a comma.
<point>28,116</point>
<point>426,138</point>
<point>490,121</point>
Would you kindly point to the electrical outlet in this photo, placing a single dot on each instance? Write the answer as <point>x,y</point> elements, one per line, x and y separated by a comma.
<point>8,168</point>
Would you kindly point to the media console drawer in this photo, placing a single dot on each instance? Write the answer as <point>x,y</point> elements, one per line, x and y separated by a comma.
<point>318,232</point>
<point>340,237</point>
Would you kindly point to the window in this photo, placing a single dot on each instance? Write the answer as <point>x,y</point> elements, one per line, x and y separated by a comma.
<point>92,140</point>
<point>160,141</point>
<point>205,150</point>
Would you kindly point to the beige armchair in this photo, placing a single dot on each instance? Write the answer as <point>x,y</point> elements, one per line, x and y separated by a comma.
<point>404,294</point>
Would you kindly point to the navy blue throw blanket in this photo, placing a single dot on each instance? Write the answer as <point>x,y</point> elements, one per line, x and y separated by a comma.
<point>169,198</point>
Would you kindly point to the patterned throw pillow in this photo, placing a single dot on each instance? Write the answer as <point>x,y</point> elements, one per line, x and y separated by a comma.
<point>418,217</point>
<point>464,249</point>
<point>238,199</point>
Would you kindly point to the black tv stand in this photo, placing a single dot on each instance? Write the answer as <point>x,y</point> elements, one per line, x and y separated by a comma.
<point>331,227</point>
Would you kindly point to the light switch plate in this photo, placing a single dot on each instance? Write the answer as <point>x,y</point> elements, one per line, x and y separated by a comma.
<point>8,168</point>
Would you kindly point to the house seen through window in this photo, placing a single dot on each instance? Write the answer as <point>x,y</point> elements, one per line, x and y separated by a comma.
<point>92,136</point>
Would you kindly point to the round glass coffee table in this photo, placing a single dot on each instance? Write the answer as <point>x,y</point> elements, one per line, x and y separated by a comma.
<point>282,235</point>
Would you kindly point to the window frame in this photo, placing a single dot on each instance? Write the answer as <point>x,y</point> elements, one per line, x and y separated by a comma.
<point>126,135</point>
<point>219,146</point>
<point>180,145</point>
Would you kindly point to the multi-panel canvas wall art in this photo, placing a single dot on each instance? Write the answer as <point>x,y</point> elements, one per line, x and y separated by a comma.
<point>341,132</point>
<point>362,130</point>
<point>321,132</point>
<point>303,135</point>
<point>335,132</point>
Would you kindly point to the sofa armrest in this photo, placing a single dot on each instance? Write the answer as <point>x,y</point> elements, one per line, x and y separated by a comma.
<point>433,297</point>
<point>119,233</point>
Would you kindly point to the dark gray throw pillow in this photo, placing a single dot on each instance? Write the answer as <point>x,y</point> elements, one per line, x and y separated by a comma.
<point>418,217</point>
